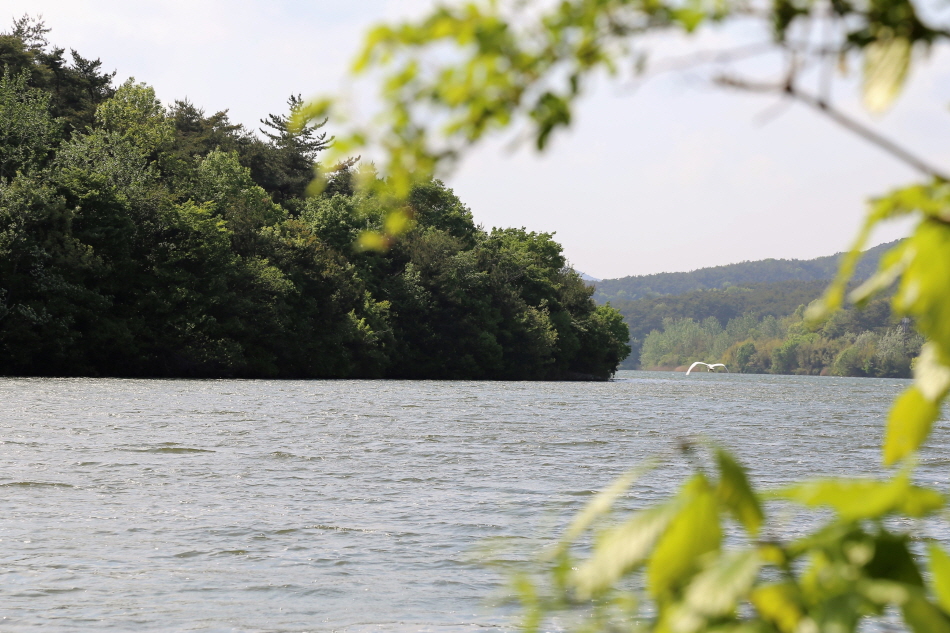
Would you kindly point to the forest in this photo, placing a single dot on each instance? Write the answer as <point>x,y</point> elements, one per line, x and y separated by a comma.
<point>139,239</point>
<point>761,328</point>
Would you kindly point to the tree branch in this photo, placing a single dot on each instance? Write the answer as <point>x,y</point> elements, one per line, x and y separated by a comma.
<point>821,105</point>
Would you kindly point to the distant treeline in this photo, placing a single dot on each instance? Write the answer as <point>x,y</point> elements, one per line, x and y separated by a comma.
<point>761,329</point>
<point>853,343</point>
<point>777,300</point>
<point>140,240</point>
<point>741,274</point>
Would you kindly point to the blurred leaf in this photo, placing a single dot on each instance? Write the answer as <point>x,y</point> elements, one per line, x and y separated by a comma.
<point>694,531</point>
<point>715,591</point>
<point>780,604</point>
<point>924,617</point>
<point>622,549</point>
<point>931,377</point>
<point>855,499</point>
<point>602,503</point>
<point>736,494</point>
<point>940,571</point>
<point>527,594</point>
<point>689,17</point>
<point>884,592</point>
<point>923,288</point>
<point>397,222</point>
<point>886,62</point>
<point>908,424</point>
<point>892,266</point>
<point>300,117</point>
<point>372,241</point>
<point>893,561</point>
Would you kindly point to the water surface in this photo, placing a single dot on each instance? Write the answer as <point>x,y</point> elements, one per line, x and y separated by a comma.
<point>359,505</point>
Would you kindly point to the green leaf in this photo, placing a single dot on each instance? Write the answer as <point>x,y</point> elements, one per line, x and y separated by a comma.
<point>622,549</point>
<point>923,289</point>
<point>924,617</point>
<point>780,604</point>
<point>940,572</point>
<point>930,375</point>
<point>694,531</point>
<point>855,499</point>
<point>884,592</point>
<point>602,503</point>
<point>886,62</point>
<point>892,265</point>
<point>372,241</point>
<point>715,591</point>
<point>908,424</point>
<point>735,493</point>
<point>689,17</point>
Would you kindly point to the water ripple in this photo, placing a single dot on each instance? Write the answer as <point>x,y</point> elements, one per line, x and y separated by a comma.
<point>362,505</point>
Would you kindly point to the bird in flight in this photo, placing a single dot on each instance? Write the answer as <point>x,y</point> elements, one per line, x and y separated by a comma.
<point>711,367</point>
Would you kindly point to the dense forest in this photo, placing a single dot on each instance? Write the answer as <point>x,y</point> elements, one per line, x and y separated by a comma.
<point>143,240</point>
<point>852,343</point>
<point>760,329</point>
<point>777,299</point>
<point>743,273</point>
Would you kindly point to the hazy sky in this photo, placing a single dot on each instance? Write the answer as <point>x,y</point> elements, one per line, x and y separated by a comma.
<point>674,176</point>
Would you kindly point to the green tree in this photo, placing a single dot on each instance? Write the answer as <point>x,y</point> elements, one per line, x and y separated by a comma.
<point>284,163</point>
<point>74,89</point>
<point>220,178</point>
<point>136,114</point>
<point>145,241</point>
<point>27,131</point>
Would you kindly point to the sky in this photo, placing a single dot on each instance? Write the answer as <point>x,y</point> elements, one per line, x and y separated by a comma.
<point>674,175</point>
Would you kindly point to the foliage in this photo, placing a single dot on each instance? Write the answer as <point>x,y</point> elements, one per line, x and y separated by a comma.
<point>163,242</point>
<point>778,300</point>
<point>856,565</point>
<point>854,342</point>
<point>26,128</point>
<point>741,274</point>
<point>74,88</point>
<point>462,72</point>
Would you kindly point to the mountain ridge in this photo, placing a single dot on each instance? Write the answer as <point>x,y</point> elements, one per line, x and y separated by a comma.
<point>760,271</point>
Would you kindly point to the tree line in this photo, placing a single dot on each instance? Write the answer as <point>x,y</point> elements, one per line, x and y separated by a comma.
<point>143,240</point>
<point>852,342</point>
<point>764,299</point>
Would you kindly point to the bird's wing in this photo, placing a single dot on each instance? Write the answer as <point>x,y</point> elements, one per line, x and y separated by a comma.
<point>716,365</point>
<point>693,366</point>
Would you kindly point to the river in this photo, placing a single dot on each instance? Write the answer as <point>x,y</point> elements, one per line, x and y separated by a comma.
<point>229,505</point>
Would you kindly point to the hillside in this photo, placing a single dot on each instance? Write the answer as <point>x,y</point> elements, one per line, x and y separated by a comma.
<point>769,299</point>
<point>759,328</point>
<point>741,274</point>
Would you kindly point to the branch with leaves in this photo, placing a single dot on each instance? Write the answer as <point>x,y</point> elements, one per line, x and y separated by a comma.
<point>466,71</point>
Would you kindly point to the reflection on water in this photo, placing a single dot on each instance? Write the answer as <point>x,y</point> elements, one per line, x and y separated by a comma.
<point>358,505</point>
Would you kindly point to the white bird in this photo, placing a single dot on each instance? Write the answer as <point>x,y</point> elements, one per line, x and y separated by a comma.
<point>711,367</point>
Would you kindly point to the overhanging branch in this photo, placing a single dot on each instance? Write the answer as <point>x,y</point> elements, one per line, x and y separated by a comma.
<point>821,105</point>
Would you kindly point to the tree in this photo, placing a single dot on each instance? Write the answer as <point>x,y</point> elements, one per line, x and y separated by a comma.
<point>136,114</point>
<point>284,163</point>
<point>74,89</point>
<point>145,242</point>
<point>465,71</point>
<point>27,131</point>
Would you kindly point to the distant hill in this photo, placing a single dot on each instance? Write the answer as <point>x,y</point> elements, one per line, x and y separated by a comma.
<point>587,277</point>
<point>741,274</point>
